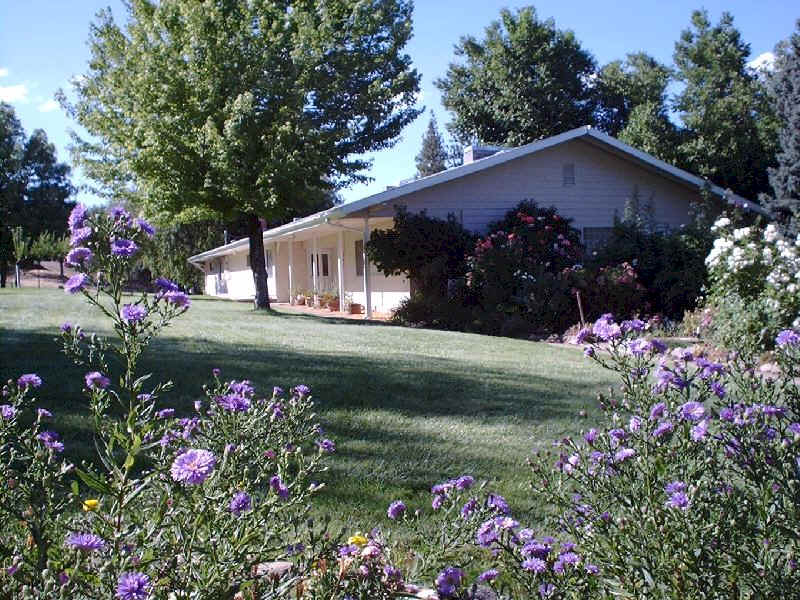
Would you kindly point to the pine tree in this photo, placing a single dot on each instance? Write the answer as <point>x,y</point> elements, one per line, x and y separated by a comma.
<point>433,156</point>
<point>784,85</point>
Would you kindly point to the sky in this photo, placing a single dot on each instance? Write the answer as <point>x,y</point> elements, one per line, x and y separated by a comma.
<point>43,45</point>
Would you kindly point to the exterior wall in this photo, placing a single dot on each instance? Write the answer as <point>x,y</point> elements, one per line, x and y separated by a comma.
<point>235,281</point>
<point>603,182</point>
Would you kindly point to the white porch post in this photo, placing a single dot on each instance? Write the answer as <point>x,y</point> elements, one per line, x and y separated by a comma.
<point>314,265</point>
<point>291,268</point>
<point>340,266</point>
<point>367,282</point>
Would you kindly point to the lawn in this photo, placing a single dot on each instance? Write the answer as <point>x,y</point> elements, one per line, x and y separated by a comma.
<point>406,407</point>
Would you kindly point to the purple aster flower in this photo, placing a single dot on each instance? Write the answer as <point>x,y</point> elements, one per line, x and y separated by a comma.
<point>638,347</point>
<point>499,504</point>
<point>592,569</point>
<point>617,435</point>
<point>657,346</point>
<point>51,440</point>
<point>546,590</point>
<point>240,503</point>
<point>327,446</point>
<point>75,284</point>
<point>590,436</point>
<point>486,534</point>
<point>663,429</point>
<point>588,351</point>
<point>583,335</point>
<point>448,581</point>
<point>437,502</point>
<point>718,389</point>
<point>675,486</point>
<point>469,508</point>
<point>699,431</point>
<point>86,542</point>
<point>77,216</point>
<point>133,586</point>
<point>606,329</point>
<point>7,411</point>
<point>569,558</point>
<point>63,578</point>
<point>683,354</point>
<point>727,414</point>
<point>348,550</point>
<point>80,235</point>
<point>165,413</point>
<point>539,549</point>
<point>279,487</point>
<point>464,482</point>
<point>124,248</point>
<point>302,390</point>
<point>392,573</point>
<point>43,413</point>
<point>635,424</point>
<point>133,313</point>
<point>633,325</point>
<point>787,337</point>
<point>119,214</point>
<point>66,327</point>
<point>96,380</point>
<point>396,509</point>
<point>243,387</point>
<point>692,411</point>
<point>678,500</point>
<point>535,565</point>
<point>166,285</point>
<point>233,402</point>
<point>178,299</point>
<point>624,454</point>
<point>29,380</point>
<point>794,429</point>
<point>78,256</point>
<point>488,576</point>
<point>145,227</point>
<point>277,391</point>
<point>193,467</point>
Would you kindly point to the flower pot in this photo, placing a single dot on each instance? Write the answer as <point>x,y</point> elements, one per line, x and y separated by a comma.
<point>333,306</point>
<point>356,309</point>
<point>300,300</point>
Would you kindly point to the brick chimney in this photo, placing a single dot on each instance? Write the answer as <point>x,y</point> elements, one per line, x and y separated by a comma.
<point>476,152</point>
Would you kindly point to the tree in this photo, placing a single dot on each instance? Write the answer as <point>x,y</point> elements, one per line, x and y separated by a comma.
<point>34,186</point>
<point>22,247</point>
<point>730,126</point>
<point>784,86</point>
<point>222,108</point>
<point>433,156</point>
<point>650,129</point>
<point>621,86</point>
<point>526,80</point>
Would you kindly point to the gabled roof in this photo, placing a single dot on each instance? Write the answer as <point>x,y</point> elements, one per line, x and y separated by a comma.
<point>587,133</point>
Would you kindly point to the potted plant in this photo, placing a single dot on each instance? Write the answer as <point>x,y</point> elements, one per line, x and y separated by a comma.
<point>333,303</point>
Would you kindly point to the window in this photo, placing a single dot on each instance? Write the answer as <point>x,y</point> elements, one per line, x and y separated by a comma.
<point>360,258</point>
<point>569,174</point>
<point>595,238</point>
<point>325,271</point>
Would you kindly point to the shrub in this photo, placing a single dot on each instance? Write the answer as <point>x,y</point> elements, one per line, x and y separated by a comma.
<point>754,283</point>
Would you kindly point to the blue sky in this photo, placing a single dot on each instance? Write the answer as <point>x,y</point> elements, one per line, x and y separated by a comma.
<point>43,45</point>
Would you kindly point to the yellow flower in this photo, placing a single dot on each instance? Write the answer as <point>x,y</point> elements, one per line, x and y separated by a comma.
<point>358,539</point>
<point>91,504</point>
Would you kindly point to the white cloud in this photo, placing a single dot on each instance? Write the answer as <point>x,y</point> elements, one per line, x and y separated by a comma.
<point>763,62</point>
<point>3,72</point>
<point>48,106</point>
<point>14,93</point>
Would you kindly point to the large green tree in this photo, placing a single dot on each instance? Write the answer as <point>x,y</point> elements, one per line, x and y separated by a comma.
<point>524,81</point>
<point>784,85</point>
<point>34,186</point>
<point>216,108</point>
<point>730,127</point>
<point>621,86</point>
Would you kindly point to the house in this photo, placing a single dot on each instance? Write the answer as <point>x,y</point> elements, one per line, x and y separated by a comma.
<point>587,175</point>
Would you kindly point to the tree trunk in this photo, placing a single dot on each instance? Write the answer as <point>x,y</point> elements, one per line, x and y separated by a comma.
<point>257,263</point>
<point>3,269</point>
<point>61,266</point>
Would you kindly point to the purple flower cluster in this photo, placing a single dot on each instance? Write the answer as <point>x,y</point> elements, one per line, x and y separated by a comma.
<point>277,485</point>
<point>448,581</point>
<point>51,440</point>
<point>677,495</point>
<point>133,313</point>
<point>240,503</point>
<point>29,380</point>
<point>144,227</point>
<point>787,337</point>
<point>124,248</point>
<point>178,299</point>
<point>396,510</point>
<point>233,402</point>
<point>606,329</point>
<point>193,467</point>
<point>133,586</point>
<point>76,283</point>
<point>327,446</point>
<point>76,217</point>
<point>85,542</point>
<point>80,235</point>
<point>97,381</point>
<point>7,411</point>
<point>79,256</point>
<point>166,285</point>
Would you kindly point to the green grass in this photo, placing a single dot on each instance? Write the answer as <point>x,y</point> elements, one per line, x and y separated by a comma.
<point>406,407</point>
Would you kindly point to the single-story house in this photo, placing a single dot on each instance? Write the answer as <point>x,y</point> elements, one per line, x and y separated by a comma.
<point>585,174</point>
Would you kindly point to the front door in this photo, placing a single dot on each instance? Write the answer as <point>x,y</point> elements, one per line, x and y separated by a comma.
<point>326,278</point>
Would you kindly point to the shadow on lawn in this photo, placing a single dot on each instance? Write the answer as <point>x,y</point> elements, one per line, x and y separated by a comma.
<point>381,452</point>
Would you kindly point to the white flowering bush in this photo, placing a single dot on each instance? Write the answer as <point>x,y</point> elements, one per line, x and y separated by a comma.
<point>754,276</point>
